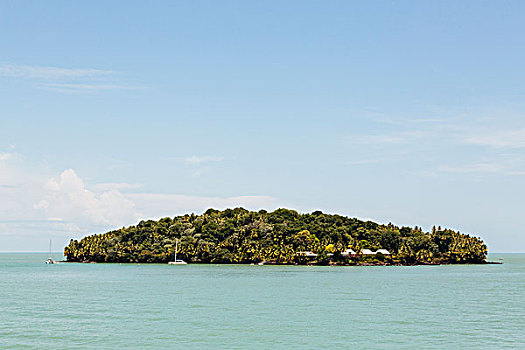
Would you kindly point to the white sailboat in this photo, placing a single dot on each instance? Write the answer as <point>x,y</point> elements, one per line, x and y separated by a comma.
<point>50,259</point>
<point>175,261</point>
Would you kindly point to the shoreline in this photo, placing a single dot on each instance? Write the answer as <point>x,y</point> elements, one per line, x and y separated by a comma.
<point>284,264</point>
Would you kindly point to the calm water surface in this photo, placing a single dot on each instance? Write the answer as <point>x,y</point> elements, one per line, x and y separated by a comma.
<point>115,306</point>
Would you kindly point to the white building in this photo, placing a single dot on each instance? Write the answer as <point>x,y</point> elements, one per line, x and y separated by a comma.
<point>369,252</point>
<point>348,252</point>
<point>308,254</point>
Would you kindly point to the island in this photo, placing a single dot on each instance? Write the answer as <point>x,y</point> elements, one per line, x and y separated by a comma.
<point>283,236</point>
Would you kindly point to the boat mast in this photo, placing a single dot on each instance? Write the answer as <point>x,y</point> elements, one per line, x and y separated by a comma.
<point>176,246</point>
<point>49,249</point>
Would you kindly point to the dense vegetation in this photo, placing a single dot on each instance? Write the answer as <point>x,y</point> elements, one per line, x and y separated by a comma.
<point>242,236</point>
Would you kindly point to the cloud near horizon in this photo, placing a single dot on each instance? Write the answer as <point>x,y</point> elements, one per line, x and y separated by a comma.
<point>66,202</point>
<point>5,156</point>
<point>68,199</point>
<point>35,207</point>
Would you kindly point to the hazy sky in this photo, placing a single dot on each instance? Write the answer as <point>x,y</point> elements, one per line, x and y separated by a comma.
<point>396,111</point>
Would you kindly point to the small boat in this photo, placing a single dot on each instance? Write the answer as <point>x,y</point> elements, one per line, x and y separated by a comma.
<point>175,261</point>
<point>50,259</point>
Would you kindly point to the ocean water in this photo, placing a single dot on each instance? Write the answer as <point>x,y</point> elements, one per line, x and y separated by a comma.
<point>130,306</point>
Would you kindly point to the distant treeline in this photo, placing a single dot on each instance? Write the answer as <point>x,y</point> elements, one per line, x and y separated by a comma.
<point>242,236</point>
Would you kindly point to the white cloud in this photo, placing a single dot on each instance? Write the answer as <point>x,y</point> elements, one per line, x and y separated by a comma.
<point>499,139</point>
<point>68,198</point>
<point>66,80</point>
<point>50,73</point>
<point>369,161</point>
<point>82,88</point>
<point>405,137</point>
<point>376,139</point>
<point>425,120</point>
<point>474,168</point>
<point>5,156</point>
<point>35,206</point>
<point>203,159</point>
<point>508,167</point>
<point>107,186</point>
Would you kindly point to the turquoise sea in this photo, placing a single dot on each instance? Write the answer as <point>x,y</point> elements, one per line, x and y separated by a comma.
<point>130,306</point>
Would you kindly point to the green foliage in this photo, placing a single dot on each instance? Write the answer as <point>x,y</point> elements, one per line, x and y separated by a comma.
<point>242,236</point>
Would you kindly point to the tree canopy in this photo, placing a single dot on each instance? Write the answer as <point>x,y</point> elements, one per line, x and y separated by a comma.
<point>242,236</point>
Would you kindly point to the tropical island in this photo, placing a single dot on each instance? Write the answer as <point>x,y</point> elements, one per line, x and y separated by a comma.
<point>239,236</point>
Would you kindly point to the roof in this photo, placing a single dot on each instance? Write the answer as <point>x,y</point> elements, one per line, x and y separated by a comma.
<point>369,252</point>
<point>306,253</point>
<point>348,252</point>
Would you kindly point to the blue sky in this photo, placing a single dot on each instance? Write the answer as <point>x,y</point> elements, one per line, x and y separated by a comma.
<point>403,112</point>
